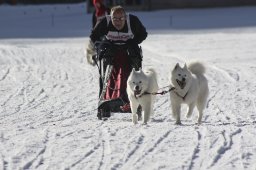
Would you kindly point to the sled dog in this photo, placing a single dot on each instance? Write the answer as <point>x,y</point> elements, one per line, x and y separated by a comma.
<point>90,52</point>
<point>191,88</point>
<point>139,86</point>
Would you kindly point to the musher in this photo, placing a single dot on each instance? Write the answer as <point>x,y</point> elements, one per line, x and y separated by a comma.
<point>117,38</point>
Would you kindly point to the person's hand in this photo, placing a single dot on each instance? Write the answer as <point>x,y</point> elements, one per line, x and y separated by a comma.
<point>105,52</point>
<point>105,40</point>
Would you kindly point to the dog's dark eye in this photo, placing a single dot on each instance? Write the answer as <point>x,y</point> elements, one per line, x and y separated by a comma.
<point>133,82</point>
<point>179,74</point>
<point>139,81</point>
<point>185,75</point>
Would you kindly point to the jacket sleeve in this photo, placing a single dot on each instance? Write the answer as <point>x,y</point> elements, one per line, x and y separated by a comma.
<point>139,31</point>
<point>94,19</point>
<point>99,31</point>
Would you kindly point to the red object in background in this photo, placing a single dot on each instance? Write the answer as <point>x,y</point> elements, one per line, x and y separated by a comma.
<point>99,7</point>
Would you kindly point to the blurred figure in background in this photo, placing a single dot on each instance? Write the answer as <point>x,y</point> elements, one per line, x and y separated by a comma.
<point>100,11</point>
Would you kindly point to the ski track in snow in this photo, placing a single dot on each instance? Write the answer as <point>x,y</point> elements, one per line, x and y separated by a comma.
<point>49,99</point>
<point>57,94</point>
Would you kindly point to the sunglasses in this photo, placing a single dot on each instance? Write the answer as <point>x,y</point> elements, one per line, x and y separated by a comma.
<point>118,19</point>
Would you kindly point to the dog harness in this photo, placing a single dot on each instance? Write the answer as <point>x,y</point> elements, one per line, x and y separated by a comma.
<point>155,93</point>
<point>162,93</point>
<point>181,96</point>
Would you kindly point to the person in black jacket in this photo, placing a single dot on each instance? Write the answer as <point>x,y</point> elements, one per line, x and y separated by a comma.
<point>98,14</point>
<point>117,38</point>
<point>123,30</point>
<point>100,11</point>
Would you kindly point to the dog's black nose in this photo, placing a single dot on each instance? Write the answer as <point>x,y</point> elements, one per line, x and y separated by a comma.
<point>183,79</point>
<point>137,87</point>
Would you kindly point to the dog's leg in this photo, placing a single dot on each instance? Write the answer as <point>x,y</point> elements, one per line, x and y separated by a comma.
<point>176,112</point>
<point>200,114</point>
<point>139,112</point>
<point>90,51</point>
<point>190,109</point>
<point>134,118</point>
<point>200,106</point>
<point>148,110</point>
<point>134,113</point>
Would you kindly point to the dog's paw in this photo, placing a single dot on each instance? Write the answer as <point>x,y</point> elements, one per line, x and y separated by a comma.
<point>198,123</point>
<point>144,124</point>
<point>178,122</point>
<point>134,119</point>
<point>135,122</point>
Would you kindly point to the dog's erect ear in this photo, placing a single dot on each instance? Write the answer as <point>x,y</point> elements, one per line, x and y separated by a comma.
<point>185,66</point>
<point>177,66</point>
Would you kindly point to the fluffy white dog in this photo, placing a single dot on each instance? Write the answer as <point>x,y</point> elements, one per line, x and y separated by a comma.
<point>139,86</point>
<point>90,52</point>
<point>191,88</point>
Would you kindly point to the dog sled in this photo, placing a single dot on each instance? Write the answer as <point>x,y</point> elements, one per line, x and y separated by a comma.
<point>115,63</point>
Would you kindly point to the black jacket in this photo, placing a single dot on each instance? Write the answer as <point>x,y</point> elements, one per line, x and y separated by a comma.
<point>103,27</point>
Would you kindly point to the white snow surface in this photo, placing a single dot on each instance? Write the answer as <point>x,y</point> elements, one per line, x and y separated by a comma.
<point>49,94</point>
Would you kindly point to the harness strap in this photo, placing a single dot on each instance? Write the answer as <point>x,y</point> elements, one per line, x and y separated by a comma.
<point>155,93</point>
<point>181,96</point>
<point>162,93</point>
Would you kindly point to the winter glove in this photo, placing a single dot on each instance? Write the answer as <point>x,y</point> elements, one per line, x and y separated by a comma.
<point>105,50</point>
<point>134,53</point>
<point>136,62</point>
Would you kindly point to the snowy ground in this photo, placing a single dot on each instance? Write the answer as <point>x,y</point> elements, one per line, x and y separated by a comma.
<point>48,93</point>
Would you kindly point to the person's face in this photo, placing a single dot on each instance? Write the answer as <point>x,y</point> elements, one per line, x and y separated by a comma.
<point>118,19</point>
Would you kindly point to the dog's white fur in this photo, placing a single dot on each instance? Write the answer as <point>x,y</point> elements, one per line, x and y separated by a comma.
<point>191,88</point>
<point>139,83</point>
<point>90,52</point>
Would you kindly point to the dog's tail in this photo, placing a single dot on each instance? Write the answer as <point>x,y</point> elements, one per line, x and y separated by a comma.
<point>153,71</point>
<point>196,68</point>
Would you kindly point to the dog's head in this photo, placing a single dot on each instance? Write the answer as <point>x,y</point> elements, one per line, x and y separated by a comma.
<point>180,76</point>
<point>137,82</point>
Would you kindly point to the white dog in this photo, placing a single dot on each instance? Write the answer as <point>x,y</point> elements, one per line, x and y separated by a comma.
<point>191,88</point>
<point>90,52</point>
<point>139,86</point>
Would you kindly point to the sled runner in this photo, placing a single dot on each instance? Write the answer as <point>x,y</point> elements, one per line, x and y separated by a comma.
<point>115,63</point>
